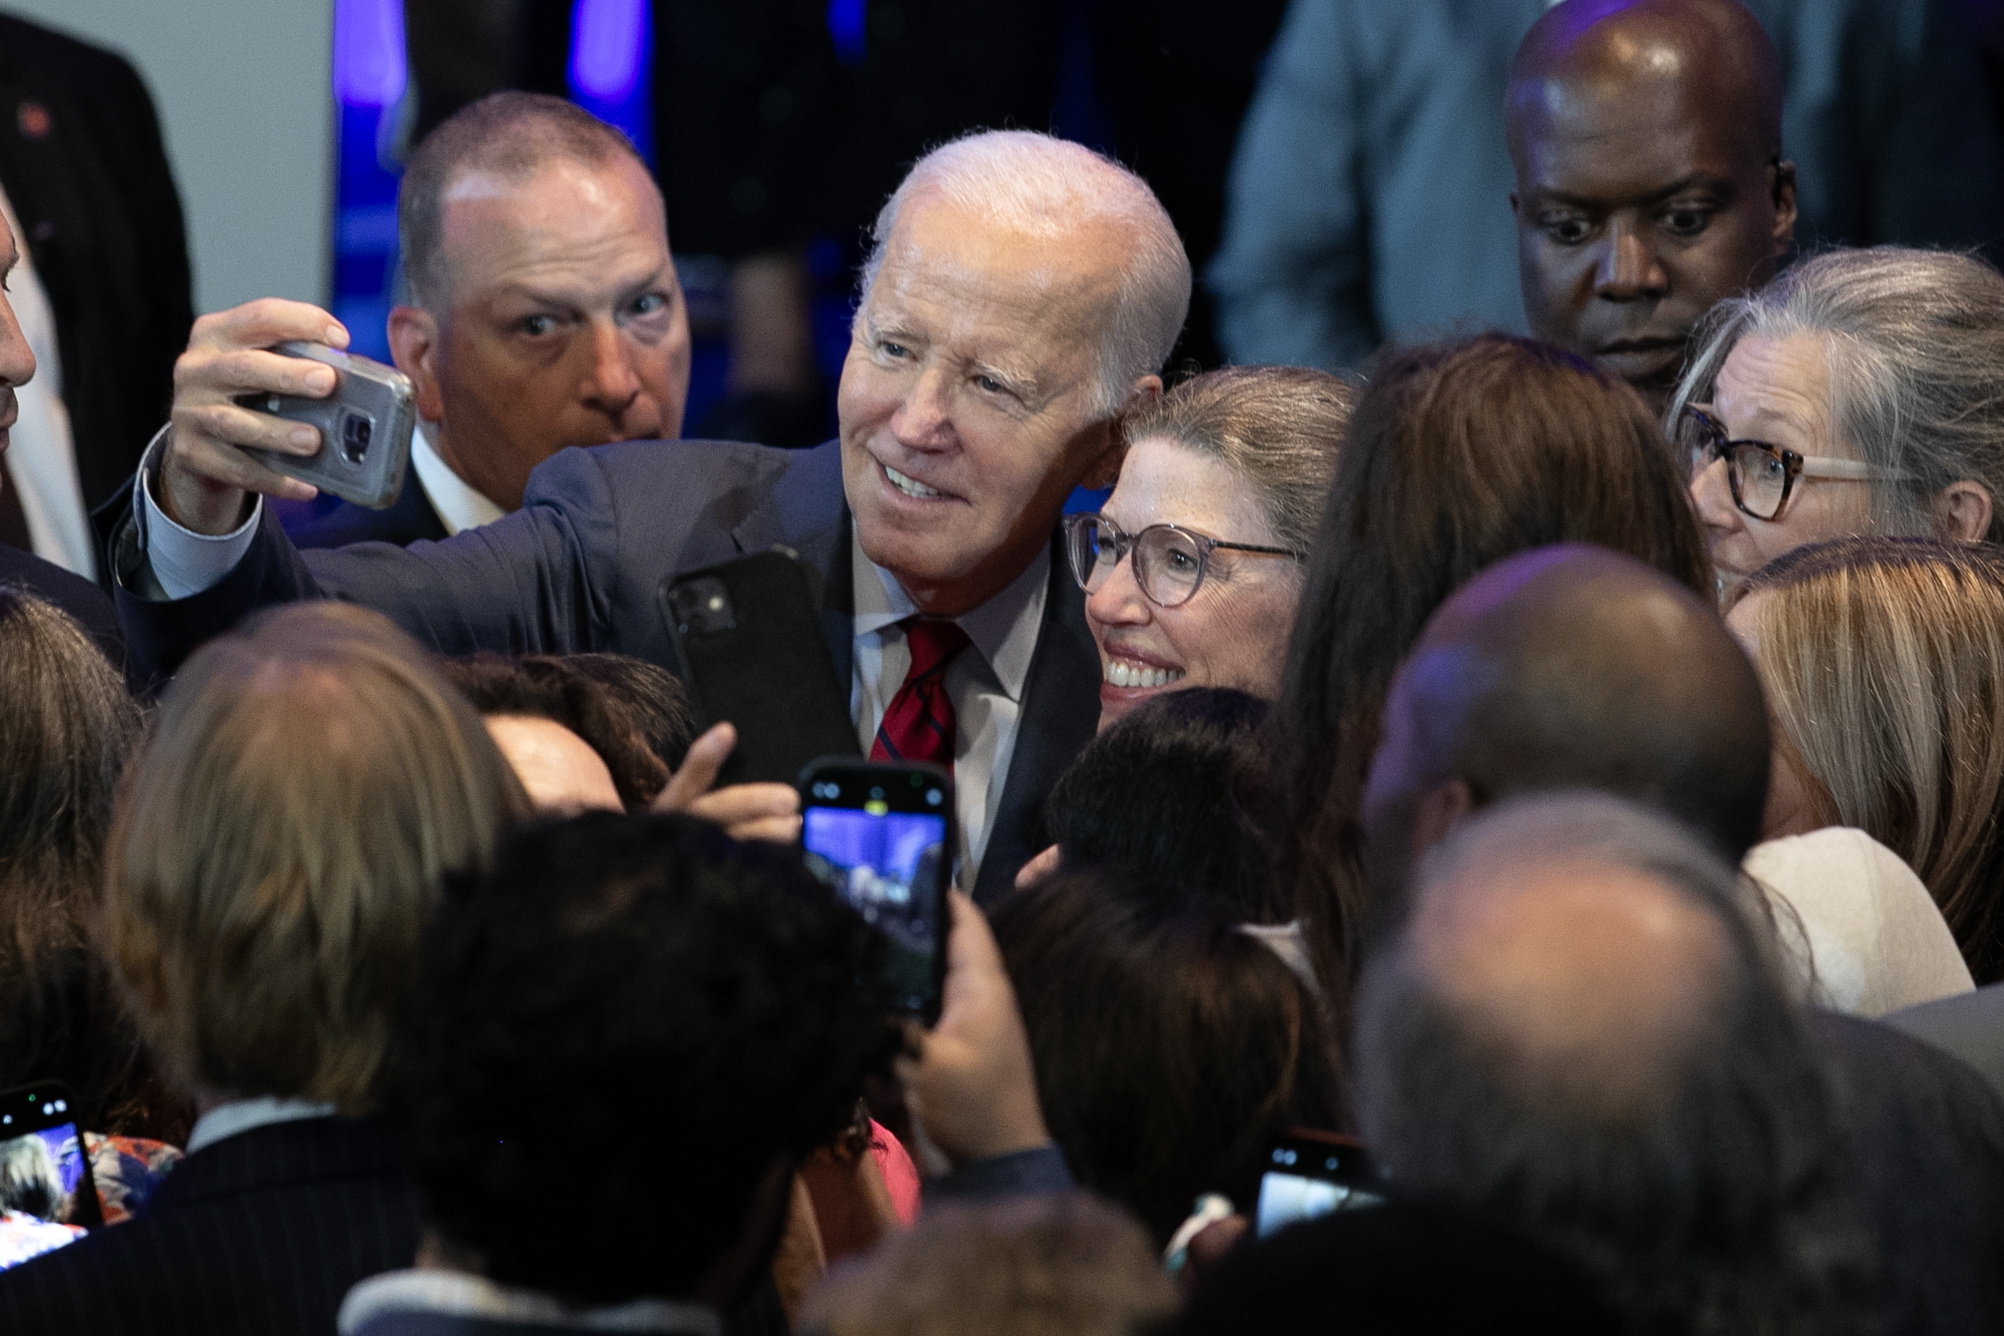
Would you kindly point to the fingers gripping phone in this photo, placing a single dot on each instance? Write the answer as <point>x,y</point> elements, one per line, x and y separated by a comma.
<point>882,836</point>
<point>365,427</point>
<point>749,637</point>
<point>45,1179</point>
<point>1309,1174</point>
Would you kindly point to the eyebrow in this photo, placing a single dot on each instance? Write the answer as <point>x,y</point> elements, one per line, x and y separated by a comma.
<point>1722,186</point>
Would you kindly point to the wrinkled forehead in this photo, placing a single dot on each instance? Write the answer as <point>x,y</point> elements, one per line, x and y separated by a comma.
<point>970,276</point>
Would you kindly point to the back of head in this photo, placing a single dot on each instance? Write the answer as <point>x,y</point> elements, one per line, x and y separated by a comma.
<point>309,783</point>
<point>66,728</point>
<point>653,698</point>
<point>1915,345</point>
<point>1278,427</point>
<point>1042,186</point>
<point>1459,454</point>
<point>1577,1029</point>
<point>553,687</point>
<point>1392,1269</point>
<point>1173,791</point>
<point>1576,668</point>
<point>1202,1043</point>
<point>507,136</point>
<point>1035,1266</point>
<point>618,976</point>
<point>1884,662</point>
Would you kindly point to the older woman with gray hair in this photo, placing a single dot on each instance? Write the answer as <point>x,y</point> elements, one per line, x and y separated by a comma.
<point>1862,391</point>
<point>1193,568</point>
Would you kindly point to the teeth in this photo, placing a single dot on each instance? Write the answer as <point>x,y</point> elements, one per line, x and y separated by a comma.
<point>1121,673</point>
<point>909,486</point>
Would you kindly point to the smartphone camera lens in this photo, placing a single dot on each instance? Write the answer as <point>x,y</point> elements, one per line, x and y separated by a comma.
<point>356,431</point>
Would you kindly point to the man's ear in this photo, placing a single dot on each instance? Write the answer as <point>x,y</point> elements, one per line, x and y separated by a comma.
<point>1104,471</point>
<point>414,348</point>
<point>1436,812</point>
<point>1784,206</point>
<point>1964,510</point>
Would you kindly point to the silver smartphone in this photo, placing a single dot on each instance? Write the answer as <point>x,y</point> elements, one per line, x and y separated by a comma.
<point>365,427</point>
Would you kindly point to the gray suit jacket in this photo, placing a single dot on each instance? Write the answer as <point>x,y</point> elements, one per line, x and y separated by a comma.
<point>578,567</point>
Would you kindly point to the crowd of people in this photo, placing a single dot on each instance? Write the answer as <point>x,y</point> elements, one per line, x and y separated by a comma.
<point>1563,771</point>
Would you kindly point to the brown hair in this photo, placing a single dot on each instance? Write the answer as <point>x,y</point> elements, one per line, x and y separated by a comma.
<point>1277,427</point>
<point>280,844</point>
<point>1032,1266</point>
<point>1459,454</point>
<point>1883,660</point>
<point>66,727</point>
<point>549,686</point>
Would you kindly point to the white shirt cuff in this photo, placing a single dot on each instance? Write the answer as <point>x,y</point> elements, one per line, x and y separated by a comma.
<point>183,561</point>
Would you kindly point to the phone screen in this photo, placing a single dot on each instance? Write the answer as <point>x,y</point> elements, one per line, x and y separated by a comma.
<point>1307,1177</point>
<point>892,865</point>
<point>47,1198</point>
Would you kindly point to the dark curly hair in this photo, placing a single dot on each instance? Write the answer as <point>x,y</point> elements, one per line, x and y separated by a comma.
<point>626,977</point>
<point>549,686</point>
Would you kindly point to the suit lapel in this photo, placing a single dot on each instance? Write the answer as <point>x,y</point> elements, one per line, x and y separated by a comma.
<point>1058,716</point>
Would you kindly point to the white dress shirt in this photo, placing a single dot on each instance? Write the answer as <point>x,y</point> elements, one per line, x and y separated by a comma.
<point>985,682</point>
<point>186,562</point>
<point>241,1115</point>
<point>42,458</point>
<point>453,499</point>
<point>465,1295</point>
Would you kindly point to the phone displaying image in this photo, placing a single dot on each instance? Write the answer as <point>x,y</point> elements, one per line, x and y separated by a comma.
<point>47,1195</point>
<point>882,836</point>
<point>365,427</point>
<point>1310,1174</point>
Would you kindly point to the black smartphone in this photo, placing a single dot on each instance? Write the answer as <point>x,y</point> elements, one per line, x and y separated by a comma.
<point>1308,1174</point>
<point>752,652</point>
<point>44,1167</point>
<point>365,427</point>
<point>883,836</point>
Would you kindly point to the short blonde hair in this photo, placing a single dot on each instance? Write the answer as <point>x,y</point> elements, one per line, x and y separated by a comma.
<point>280,844</point>
<point>1883,660</point>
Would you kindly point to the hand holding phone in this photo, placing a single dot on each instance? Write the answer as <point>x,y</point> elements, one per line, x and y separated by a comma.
<point>365,426</point>
<point>1309,1174</point>
<point>972,1087</point>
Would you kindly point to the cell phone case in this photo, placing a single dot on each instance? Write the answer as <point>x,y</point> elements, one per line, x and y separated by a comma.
<point>365,427</point>
<point>752,653</point>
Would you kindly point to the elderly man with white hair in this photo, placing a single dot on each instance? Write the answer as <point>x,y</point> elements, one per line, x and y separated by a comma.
<point>1023,291</point>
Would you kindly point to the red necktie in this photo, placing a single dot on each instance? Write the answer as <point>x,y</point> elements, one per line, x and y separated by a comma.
<point>918,724</point>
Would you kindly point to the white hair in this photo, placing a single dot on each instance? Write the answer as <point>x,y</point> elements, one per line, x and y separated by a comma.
<point>1051,188</point>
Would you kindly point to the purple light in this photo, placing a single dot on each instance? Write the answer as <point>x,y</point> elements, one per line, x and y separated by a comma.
<point>369,66</point>
<point>606,41</point>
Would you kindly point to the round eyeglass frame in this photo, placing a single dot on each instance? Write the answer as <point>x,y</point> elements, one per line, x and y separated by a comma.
<point>1712,442</point>
<point>1085,535</point>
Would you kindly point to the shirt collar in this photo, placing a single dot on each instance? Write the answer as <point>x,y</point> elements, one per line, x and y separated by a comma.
<point>458,505</point>
<point>241,1115</point>
<point>467,1295</point>
<point>1004,629</point>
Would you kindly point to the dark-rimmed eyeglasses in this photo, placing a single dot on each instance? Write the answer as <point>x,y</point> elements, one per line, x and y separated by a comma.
<point>1762,476</point>
<point>1169,561</point>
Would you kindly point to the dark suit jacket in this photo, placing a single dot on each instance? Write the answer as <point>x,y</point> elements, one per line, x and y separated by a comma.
<point>260,1234</point>
<point>578,567</point>
<point>1925,1158</point>
<point>408,519</point>
<point>88,605</point>
<point>1969,1025</point>
<point>82,161</point>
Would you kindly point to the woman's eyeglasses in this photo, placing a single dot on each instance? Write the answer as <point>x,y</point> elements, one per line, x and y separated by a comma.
<point>1762,476</point>
<point>1169,562</point>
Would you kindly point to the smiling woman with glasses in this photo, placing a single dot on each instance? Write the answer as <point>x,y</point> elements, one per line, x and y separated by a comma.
<point>1192,571</point>
<point>1862,392</point>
